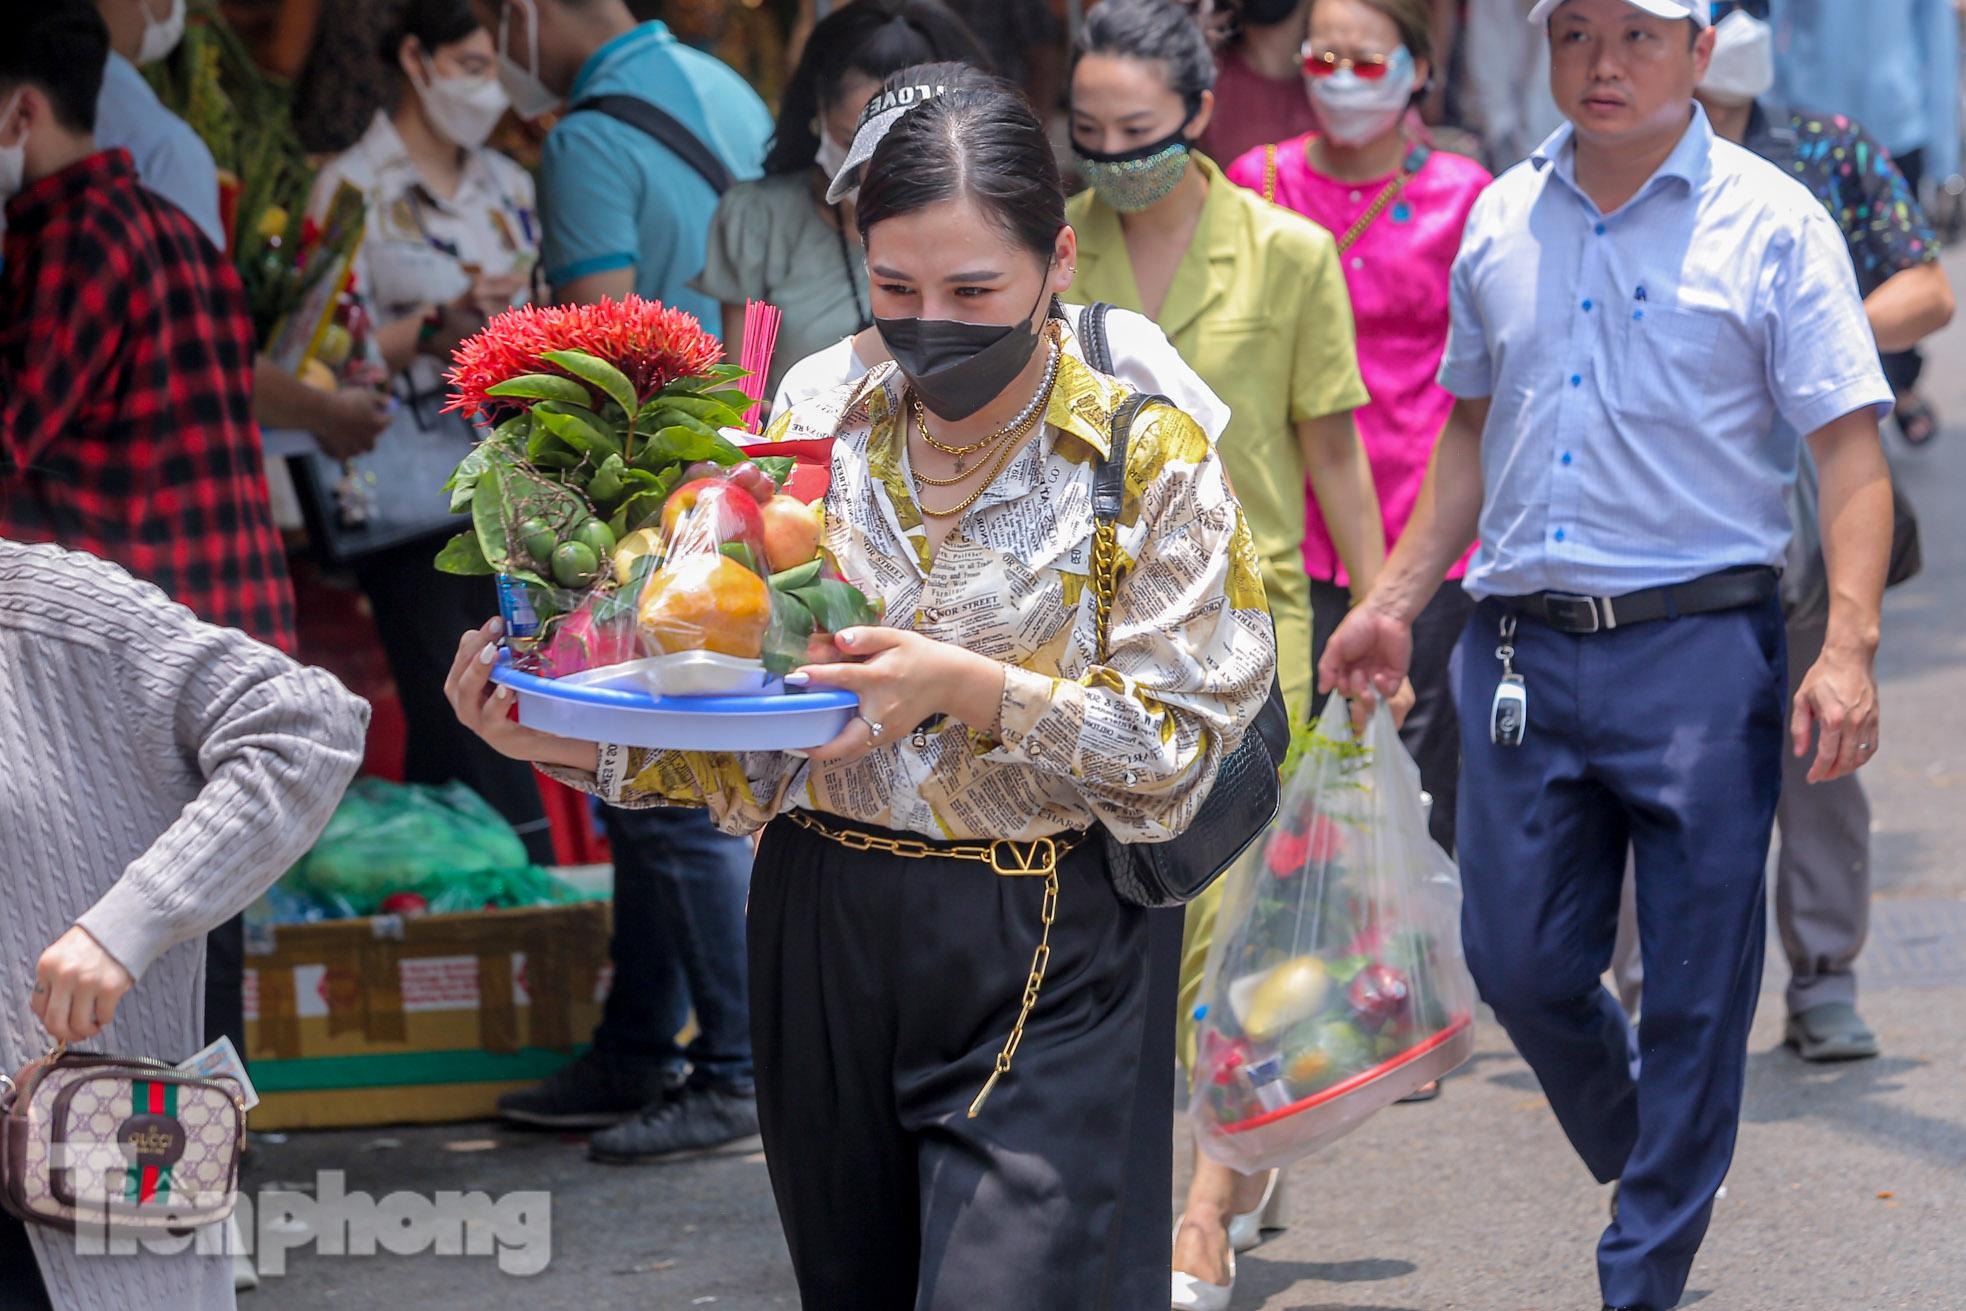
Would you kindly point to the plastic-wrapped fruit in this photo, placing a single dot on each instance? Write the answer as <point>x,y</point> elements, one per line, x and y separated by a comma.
<point>575,564</point>
<point>596,537</point>
<point>540,541</point>
<point>1349,1051</point>
<point>635,547</point>
<point>706,603</point>
<point>1267,1004</point>
<point>1379,995</point>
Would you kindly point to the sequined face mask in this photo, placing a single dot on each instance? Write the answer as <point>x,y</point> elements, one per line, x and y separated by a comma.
<point>1133,180</point>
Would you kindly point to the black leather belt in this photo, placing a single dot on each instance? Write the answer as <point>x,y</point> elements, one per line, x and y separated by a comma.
<point>1568,612</point>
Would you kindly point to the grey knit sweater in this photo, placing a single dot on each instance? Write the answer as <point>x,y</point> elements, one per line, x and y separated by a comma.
<point>156,774</point>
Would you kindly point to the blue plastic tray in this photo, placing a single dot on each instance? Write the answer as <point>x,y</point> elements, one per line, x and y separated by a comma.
<point>770,722</point>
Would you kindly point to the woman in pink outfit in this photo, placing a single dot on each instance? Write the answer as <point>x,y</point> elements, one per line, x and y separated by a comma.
<point>1396,208</point>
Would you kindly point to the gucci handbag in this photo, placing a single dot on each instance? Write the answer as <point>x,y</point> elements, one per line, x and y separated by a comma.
<point>1247,789</point>
<point>125,1144</point>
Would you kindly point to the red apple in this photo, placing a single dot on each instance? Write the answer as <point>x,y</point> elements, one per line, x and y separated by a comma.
<point>708,513</point>
<point>1378,996</point>
<point>791,532</point>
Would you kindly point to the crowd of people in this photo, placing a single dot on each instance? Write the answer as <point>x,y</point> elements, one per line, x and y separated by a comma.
<point>1487,340</point>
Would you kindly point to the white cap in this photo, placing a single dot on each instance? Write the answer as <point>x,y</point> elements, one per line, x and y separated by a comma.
<point>1700,11</point>
<point>882,113</point>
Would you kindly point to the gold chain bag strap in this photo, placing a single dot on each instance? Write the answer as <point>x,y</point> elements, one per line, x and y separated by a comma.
<point>1415,158</point>
<point>118,1144</point>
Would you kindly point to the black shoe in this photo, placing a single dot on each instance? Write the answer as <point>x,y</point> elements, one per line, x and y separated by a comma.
<point>1633,1307</point>
<point>691,1121</point>
<point>593,1091</point>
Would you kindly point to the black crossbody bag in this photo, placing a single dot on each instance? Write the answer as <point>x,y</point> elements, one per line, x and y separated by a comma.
<point>1247,789</point>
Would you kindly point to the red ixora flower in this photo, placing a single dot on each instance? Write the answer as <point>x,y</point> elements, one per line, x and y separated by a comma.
<point>650,342</point>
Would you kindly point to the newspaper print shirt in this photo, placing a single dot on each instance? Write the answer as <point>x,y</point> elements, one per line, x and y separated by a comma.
<point>1131,739</point>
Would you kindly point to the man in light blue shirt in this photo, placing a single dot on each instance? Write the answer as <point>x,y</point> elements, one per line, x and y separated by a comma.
<point>624,212</point>
<point>1634,306</point>
<point>170,158</point>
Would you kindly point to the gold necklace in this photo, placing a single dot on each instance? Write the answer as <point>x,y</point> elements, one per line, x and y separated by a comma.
<point>1009,450</point>
<point>1017,425</point>
<point>1007,435</point>
<point>1003,462</point>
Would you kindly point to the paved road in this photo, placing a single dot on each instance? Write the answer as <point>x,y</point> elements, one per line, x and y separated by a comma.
<point>1847,1194</point>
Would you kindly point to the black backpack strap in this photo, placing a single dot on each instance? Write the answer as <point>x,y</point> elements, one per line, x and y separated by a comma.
<point>1093,340</point>
<point>1109,483</point>
<point>667,129</point>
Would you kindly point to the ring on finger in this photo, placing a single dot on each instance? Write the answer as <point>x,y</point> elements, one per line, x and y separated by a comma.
<point>875,728</point>
<point>40,988</point>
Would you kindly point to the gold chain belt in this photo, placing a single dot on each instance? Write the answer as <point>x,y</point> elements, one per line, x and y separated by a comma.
<point>1037,858</point>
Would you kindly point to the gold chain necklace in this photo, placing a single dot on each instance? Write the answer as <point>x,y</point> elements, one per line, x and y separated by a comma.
<point>1017,425</point>
<point>1003,462</point>
<point>1008,451</point>
<point>1006,435</point>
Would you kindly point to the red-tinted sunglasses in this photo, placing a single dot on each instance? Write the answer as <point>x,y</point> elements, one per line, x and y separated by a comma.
<point>1323,63</point>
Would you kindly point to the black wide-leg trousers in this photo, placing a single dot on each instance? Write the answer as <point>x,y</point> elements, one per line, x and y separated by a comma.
<point>882,989</point>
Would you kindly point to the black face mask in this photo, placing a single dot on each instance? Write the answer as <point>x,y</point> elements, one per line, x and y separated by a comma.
<point>958,368</point>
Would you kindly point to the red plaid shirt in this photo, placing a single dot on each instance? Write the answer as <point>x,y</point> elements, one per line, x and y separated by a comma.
<point>126,390</point>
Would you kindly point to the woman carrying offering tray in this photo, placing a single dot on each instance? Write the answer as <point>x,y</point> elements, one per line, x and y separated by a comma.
<point>961,1076</point>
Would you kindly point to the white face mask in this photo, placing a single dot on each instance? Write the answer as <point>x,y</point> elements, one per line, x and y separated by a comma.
<point>1743,67</point>
<point>13,159</point>
<point>531,98</point>
<point>159,39</point>
<point>1352,110</point>
<point>831,154</point>
<point>463,109</point>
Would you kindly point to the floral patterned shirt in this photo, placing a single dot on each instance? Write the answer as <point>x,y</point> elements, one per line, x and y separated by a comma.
<point>1844,167</point>
<point>1130,737</point>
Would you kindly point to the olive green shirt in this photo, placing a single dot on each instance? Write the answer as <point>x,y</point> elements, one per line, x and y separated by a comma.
<point>1258,308</point>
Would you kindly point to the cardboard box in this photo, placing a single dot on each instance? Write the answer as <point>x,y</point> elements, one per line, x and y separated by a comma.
<point>393,1020</point>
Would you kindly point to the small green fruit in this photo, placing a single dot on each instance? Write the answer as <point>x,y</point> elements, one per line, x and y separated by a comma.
<point>539,539</point>
<point>575,564</point>
<point>596,537</point>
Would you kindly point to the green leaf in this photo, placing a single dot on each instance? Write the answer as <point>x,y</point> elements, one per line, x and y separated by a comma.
<point>802,575</point>
<point>835,605</point>
<point>741,553</point>
<point>717,373</point>
<point>489,516</point>
<point>579,428</point>
<point>542,387</point>
<point>706,409</point>
<point>679,445</point>
<point>787,636</point>
<point>561,459</point>
<point>736,400</point>
<point>612,382</point>
<point>778,466</point>
<point>607,483</point>
<point>645,507</point>
<point>462,555</point>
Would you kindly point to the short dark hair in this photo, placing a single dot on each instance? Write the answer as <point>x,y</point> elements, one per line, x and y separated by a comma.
<point>60,46</point>
<point>434,23</point>
<point>874,38</point>
<point>1157,30</point>
<point>977,141</point>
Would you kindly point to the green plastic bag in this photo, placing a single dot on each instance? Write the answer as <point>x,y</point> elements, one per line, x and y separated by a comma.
<point>445,847</point>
